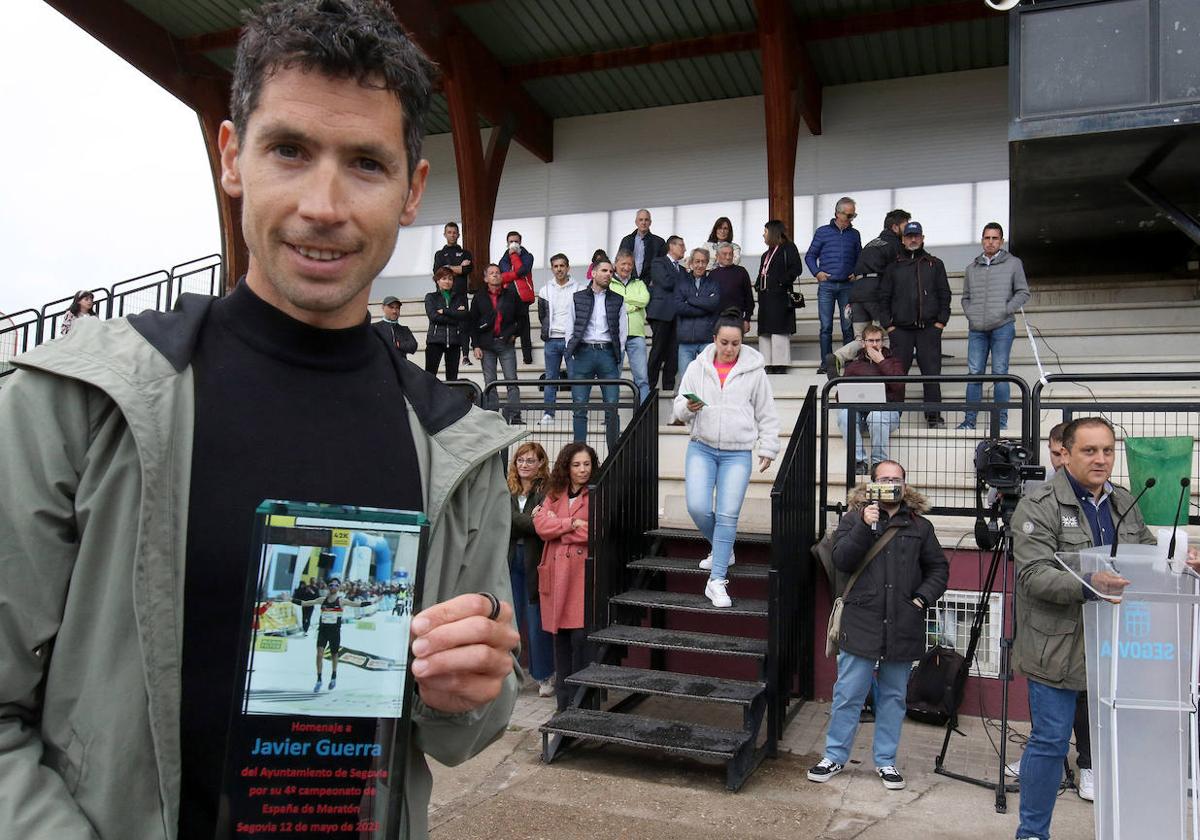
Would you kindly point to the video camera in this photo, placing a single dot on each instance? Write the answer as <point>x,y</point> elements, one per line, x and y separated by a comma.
<point>1002,465</point>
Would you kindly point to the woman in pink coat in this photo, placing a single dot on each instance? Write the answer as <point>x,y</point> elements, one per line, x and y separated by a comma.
<point>562,523</point>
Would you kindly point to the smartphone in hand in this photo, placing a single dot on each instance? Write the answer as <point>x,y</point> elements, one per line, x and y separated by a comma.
<point>694,398</point>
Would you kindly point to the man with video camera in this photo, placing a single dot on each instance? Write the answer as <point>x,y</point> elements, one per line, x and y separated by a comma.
<point>1077,508</point>
<point>896,570</point>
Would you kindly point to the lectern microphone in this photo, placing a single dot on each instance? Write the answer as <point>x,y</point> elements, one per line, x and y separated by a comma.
<point>1150,482</point>
<point>1184,483</point>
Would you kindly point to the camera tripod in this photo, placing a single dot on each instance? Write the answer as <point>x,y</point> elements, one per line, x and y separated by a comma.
<point>1001,544</point>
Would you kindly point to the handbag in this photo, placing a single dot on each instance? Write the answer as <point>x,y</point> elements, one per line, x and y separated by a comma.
<point>796,300</point>
<point>834,629</point>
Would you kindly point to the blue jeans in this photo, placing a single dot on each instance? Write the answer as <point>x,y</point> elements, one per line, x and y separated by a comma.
<point>593,362</point>
<point>687,352</point>
<point>831,294</point>
<point>881,424</point>
<point>529,617</point>
<point>999,343</point>
<point>854,677</point>
<point>635,349</point>
<point>727,472</point>
<point>1052,714</point>
<point>554,350</point>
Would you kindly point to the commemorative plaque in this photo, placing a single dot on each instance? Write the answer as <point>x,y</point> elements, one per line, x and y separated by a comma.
<point>318,738</point>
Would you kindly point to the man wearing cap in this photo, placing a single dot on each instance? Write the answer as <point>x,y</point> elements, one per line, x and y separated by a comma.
<point>400,336</point>
<point>914,306</point>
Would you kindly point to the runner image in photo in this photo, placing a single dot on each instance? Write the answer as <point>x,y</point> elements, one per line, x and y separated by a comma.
<point>329,629</point>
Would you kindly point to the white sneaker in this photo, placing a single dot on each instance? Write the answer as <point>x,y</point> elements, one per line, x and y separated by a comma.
<point>706,563</point>
<point>714,590</point>
<point>1086,785</point>
<point>546,687</point>
<point>546,420</point>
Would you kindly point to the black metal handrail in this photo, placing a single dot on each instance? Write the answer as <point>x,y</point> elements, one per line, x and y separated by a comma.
<point>623,508</point>
<point>39,326</point>
<point>985,408</point>
<point>18,336</point>
<point>791,624</point>
<point>1187,411</point>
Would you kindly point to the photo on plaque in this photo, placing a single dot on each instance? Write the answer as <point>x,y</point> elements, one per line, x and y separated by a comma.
<point>330,623</point>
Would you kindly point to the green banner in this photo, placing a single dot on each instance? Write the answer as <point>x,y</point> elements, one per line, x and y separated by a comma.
<point>1167,459</point>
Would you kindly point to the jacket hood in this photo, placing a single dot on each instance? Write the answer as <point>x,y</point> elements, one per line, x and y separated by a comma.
<point>916,501</point>
<point>749,359</point>
<point>1000,257</point>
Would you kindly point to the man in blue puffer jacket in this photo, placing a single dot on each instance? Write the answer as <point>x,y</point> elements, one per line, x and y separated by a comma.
<point>831,258</point>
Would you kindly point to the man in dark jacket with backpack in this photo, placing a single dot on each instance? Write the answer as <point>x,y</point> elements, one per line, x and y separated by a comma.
<point>897,570</point>
<point>914,306</point>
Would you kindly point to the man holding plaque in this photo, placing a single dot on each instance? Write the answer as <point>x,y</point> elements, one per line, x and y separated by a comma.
<point>137,451</point>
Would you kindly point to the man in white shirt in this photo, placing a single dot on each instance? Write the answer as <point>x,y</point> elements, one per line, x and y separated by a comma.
<point>599,328</point>
<point>554,313</point>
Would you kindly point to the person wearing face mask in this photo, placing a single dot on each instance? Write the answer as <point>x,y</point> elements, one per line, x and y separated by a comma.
<point>562,523</point>
<point>914,306</point>
<point>726,401</point>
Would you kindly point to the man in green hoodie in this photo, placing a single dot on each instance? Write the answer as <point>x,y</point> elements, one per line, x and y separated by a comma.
<point>136,451</point>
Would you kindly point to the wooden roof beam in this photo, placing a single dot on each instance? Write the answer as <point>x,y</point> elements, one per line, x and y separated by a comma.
<point>633,56</point>
<point>817,30</point>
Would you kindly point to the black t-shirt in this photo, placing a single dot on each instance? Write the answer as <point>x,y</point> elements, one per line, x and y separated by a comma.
<point>283,411</point>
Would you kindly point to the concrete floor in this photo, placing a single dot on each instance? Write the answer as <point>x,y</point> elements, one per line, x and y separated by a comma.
<point>611,792</point>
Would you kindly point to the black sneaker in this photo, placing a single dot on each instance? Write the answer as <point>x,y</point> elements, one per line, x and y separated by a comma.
<point>825,770</point>
<point>831,366</point>
<point>891,778</point>
<point>861,468</point>
<point>937,422</point>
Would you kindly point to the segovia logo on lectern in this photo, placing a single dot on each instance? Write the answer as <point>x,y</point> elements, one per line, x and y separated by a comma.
<point>1137,619</point>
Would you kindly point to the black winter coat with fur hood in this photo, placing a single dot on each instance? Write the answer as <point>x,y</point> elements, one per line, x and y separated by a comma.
<point>879,618</point>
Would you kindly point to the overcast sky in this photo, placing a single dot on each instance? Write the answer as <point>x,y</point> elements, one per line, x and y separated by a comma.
<point>105,175</point>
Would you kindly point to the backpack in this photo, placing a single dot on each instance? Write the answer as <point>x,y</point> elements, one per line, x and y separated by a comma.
<point>932,687</point>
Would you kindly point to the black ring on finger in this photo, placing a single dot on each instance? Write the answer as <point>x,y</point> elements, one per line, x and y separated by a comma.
<point>495,602</point>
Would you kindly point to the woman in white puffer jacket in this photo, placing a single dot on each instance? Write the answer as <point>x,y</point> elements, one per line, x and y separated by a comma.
<point>734,412</point>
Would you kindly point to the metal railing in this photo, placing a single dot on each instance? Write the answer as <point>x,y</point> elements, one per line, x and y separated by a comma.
<point>790,666</point>
<point>597,422</point>
<point>1132,416</point>
<point>158,290</point>
<point>623,508</point>
<point>939,462</point>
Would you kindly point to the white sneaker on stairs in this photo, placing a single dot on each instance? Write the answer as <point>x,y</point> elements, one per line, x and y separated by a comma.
<point>714,590</point>
<point>706,563</point>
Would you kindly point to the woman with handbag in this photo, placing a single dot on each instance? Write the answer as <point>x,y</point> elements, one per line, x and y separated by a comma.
<point>778,269</point>
<point>897,570</point>
<point>448,314</point>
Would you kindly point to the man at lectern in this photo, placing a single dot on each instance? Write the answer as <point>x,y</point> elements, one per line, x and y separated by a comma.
<point>1076,509</point>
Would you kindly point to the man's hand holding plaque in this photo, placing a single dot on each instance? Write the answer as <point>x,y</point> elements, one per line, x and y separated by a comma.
<point>461,657</point>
